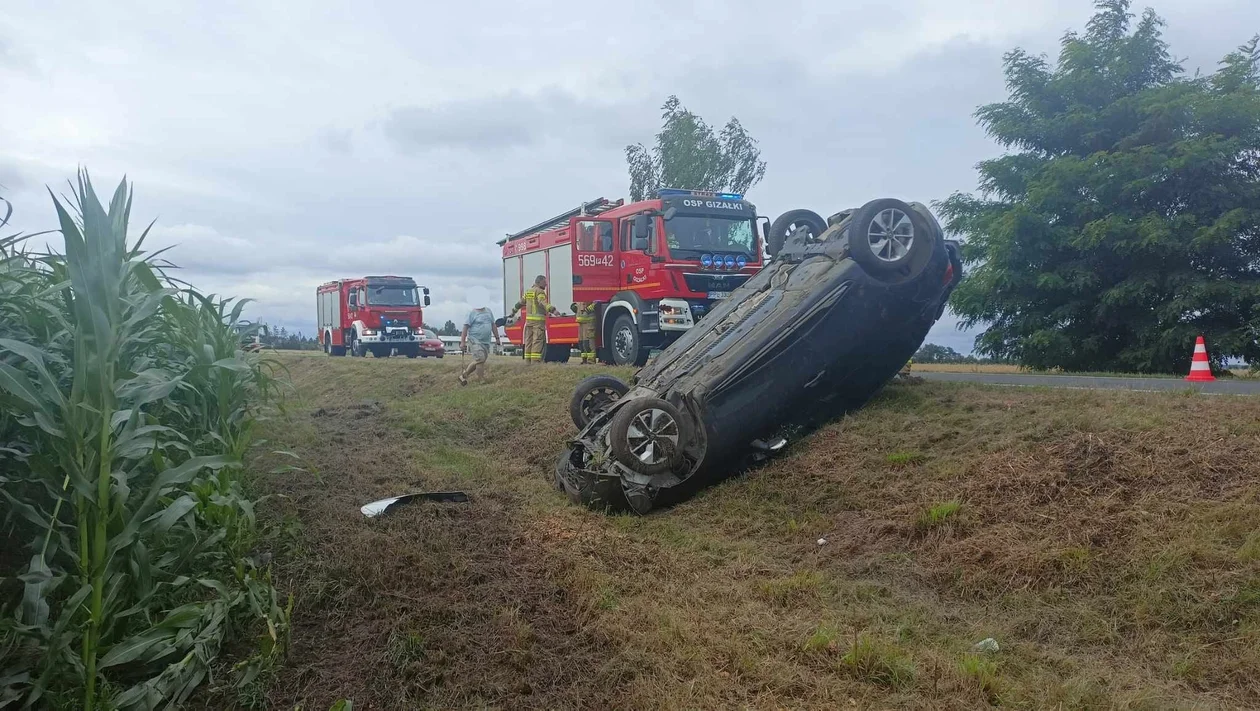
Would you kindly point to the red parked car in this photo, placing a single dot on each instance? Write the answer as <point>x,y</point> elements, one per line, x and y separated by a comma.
<point>431,345</point>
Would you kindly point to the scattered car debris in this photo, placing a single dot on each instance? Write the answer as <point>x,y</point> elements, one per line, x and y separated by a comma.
<point>376,508</point>
<point>986,645</point>
<point>829,321</point>
<point>822,541</point>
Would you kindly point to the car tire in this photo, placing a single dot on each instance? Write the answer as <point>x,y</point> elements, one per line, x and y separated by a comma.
<point>625,345</point>
<point>356,348</point>
<point>783,227</point>
<point>641,429</point>
<point>890,240</point>
<point>593,394</point>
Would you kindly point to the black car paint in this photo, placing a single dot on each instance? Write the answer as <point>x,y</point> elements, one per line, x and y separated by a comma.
<point>807,338</point>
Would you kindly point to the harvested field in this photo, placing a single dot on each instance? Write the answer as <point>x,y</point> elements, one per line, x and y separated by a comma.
<point>1109,542</point>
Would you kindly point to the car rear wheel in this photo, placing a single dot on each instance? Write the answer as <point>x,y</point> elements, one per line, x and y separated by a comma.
<point>889,239</point>
<point>788,223</point>
<point>592,395</point>
<point>647,435</point>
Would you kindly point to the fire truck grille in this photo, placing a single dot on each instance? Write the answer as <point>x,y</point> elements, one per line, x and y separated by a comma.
<point>706,282</point>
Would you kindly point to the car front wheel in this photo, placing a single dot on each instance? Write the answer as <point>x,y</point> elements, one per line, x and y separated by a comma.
<point>788,223</point>
<point>648,435</point>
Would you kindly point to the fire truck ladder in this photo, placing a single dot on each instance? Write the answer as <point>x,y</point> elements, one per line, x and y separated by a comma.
<point>594,207</point>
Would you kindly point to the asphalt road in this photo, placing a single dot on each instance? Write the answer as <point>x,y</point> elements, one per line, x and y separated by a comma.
<point>1231,386</point>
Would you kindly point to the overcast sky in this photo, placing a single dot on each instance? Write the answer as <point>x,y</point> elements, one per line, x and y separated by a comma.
<point>282,144</point>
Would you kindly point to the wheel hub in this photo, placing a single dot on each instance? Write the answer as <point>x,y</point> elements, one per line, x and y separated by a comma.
<point>891,234</point>
<point>652,436</point>
<point>625,343</point>
<point>597,399</point>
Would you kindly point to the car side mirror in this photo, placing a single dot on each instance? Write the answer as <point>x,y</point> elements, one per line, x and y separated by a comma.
<point>354,299</point>
<point>426,300</point>
<point>669,214</point>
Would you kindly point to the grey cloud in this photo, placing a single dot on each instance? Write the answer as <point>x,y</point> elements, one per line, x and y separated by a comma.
<point>511,120</point>
<point>336,140</point>
<point>287,163</point>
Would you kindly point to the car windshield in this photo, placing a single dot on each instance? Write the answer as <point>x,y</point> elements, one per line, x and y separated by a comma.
<point>430,335</point>
<point>689,236</point>
<point>392,296</point>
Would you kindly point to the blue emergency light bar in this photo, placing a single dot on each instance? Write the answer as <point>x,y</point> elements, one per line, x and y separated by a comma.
<point>666,192</point>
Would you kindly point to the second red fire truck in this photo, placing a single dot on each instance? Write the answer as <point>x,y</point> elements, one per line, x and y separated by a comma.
<point>375,314</point>
<point>653,268</point>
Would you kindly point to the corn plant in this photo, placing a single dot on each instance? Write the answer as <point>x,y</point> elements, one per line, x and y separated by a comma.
<point>126,405</point>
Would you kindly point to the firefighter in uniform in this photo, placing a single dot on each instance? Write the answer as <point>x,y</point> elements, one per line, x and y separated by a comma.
<point>586,329</point>
<point>534,302</point>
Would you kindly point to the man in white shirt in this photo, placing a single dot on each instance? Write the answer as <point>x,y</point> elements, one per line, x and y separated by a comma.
<point>478,329</point>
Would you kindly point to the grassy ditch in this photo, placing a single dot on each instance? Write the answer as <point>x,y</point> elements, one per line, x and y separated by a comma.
<point>1107,541</point>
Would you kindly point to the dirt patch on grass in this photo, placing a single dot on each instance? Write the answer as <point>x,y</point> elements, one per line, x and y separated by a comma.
<point>431,605</point>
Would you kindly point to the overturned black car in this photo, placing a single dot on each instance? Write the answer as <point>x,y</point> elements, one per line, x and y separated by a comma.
<point>841,308</point>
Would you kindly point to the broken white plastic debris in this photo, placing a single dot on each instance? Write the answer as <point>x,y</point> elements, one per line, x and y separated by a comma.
<point>986,645</point>
<point>822,541</point>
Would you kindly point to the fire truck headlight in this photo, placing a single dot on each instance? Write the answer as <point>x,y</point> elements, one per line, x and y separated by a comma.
<point>706,261</point>
<point>369,332</point>
<point>741,261</point>
<point>730,262</point>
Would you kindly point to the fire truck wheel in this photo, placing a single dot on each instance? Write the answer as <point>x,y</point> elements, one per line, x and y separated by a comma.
<point>356,348</point>
<point>648,435</point>
<point>556,353</point>
<point>624,343</point>
<point>592,395</point>
<point>788,222</point>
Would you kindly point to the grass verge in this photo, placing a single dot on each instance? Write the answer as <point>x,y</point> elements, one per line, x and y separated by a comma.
<point>1109,547</point>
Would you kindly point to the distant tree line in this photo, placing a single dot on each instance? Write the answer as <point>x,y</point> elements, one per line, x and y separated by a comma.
<point>932,353</point>
<point>282,339</point>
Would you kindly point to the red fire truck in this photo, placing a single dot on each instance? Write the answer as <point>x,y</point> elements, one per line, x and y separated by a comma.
<point>651,267</point>
<point>375,314</point>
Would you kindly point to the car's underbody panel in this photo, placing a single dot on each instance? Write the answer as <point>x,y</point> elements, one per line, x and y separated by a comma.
<point>811,336</point>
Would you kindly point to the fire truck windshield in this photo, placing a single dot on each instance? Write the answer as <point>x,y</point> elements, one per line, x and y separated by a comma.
<point>392,296</point>
<point>689,236</point>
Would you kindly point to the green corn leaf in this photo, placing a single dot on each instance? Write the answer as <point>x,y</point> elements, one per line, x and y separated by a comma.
<point>38,580</point>
<point>14,382</point>
<point>176,510</point>
<point>146,645</point>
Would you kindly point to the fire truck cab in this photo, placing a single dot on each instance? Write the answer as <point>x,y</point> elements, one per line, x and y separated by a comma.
<point>653,268</point>
<point>375,314</point>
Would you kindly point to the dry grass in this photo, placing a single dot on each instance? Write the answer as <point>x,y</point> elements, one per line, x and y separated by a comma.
<point>1109,541</point>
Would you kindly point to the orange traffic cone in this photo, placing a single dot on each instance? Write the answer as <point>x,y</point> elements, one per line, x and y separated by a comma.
<point>1200,371</point>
